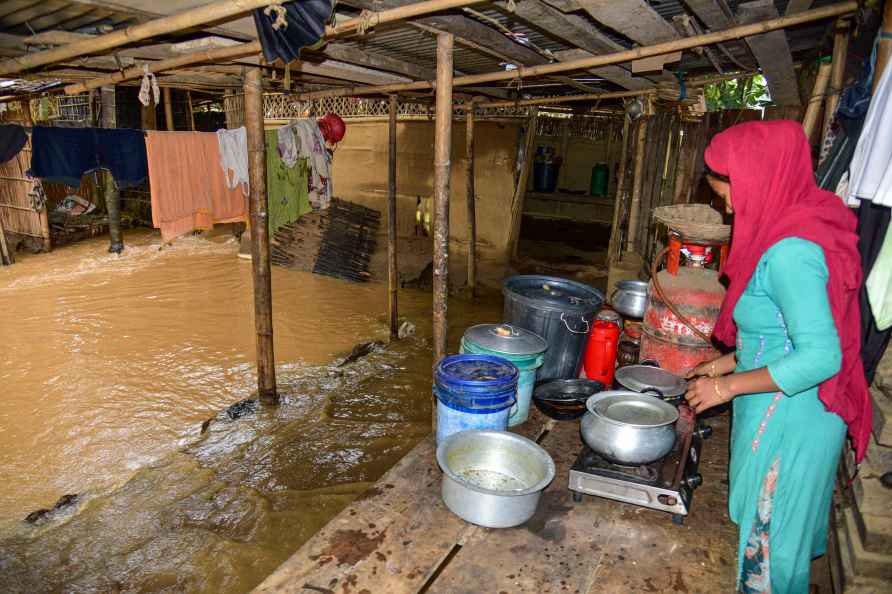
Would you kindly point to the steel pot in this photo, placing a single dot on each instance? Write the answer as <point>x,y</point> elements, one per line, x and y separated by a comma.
<point>493,478</point>
<point>630,298</point>
<point>629,428</point>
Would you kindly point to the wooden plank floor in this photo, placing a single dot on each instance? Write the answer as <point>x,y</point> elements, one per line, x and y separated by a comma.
<point>400,538</point>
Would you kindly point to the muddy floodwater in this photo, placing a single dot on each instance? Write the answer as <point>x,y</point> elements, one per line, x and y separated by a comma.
<point>110,365</point>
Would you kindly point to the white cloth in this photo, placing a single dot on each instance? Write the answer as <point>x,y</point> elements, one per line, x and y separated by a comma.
<point>870,173</point>
<point>234,157</point>
<point>149,87</point>
<point>302,139</point>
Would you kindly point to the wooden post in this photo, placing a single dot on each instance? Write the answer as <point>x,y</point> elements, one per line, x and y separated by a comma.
<point>562,151</point>
<point>113,207</point>
<point>884,47</point>
<point>168,108</point>
<point>472,197</point>
<point>393,275</point>
<point>148,116</point>
<point>25,106</point>
<point>108,108</point>
<point>442,151</point>
<point>191,110</point>
<point>810,120</point>
<point>520,190</point>
<point>837,74</point>
<point>635,205</point>
<point>260,259</point>
<point>619,196</point>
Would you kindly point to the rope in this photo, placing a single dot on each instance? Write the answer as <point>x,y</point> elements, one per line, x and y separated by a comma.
<point>367,20</point>
<point>281,22</point>
<point>659,291</point>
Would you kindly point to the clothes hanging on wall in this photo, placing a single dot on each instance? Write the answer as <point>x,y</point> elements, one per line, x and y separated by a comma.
<point>286,186</point>
<point>12,141</point>
<point>285,29</point>
<point>233,145</point>
<point>870,174</point>
<point>303,139</point>
<point>64,155</point>
<point>188,191</point>
<point>873,225</point>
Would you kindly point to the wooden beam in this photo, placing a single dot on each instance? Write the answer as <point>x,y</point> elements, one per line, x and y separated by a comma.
<point>393,275</point>
<point>614,73</point>
<point>471,197</point>
<point>520,190</point>
<point>795,6</point>
<point>346,53</point>
<point>168,108</point>
<point>637,179</point>
<point>633,18</point>
<point>738,32</point>
<point>711,14</point>
<point>772,53</point>
<point>540,101</point>
<point>442,152</point>
<point>260,258</point>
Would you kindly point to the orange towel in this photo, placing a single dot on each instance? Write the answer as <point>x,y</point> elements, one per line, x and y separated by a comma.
<point>187,184</point>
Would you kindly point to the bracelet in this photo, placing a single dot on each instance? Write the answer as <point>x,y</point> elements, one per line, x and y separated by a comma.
<point>715,386</point>
<point>713,372</point>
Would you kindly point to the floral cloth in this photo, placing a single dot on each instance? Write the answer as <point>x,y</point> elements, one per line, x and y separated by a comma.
<point>755,571</point>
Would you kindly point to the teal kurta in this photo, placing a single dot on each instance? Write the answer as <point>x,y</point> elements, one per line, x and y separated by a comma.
<point>784,322</point>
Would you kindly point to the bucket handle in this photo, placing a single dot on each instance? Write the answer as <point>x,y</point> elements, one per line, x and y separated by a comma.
<point>588,327</point>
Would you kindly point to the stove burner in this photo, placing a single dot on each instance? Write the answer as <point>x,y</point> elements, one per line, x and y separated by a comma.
<point>665,485</point>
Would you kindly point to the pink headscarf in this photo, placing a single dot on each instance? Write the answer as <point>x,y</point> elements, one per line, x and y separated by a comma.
<point>774,196</point>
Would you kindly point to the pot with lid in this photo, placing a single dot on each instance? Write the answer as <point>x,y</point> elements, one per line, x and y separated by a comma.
<point>523,348</point>
<point>629,428</point>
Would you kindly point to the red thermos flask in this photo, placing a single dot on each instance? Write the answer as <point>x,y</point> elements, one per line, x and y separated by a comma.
<point>600,354</point>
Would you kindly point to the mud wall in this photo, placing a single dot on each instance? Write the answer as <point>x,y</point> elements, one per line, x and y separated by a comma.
<point>360,175</point>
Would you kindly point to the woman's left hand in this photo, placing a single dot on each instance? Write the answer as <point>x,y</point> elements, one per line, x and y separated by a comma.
<point>706,392</point>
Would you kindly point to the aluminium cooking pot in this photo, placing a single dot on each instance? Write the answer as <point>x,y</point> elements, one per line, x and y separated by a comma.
<point>628,427</point>
<point>630,298</point>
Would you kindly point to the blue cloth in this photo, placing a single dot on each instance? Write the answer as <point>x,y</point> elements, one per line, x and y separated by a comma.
<point>12,139</point>
<point>306,26</point>
<point>64,155</point>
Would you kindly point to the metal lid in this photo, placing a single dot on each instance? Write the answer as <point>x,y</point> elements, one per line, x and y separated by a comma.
<point>507,339</point>
<point>632,409</point>
<point>644,377</point>
<point>553,293</point>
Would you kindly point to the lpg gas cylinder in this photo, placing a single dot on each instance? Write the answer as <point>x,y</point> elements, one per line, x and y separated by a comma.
<point>697,295</point>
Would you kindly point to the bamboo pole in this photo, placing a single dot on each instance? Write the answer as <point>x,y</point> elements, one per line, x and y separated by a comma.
<point>191,110</point>
<point>8,258</point>
<point>194,17</point>
<point>168,108</point>
<point>619,198</point>
<point>149,116</point>
<point>833,10</point>
<point>810,120</point>
<point>360,23</point>
<point>471,197</point>
<point>113,207</point>
<point>635,205</point>
<point>260,258</point>
<point>837,74</point>
<point>520,189</point>
<point>884,47</point>
<point>25,106</point>
<point>392,270</point>
<point>540,101</point>
<point>442,151</point>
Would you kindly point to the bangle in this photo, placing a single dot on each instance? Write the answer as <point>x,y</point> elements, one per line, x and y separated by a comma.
<point>715,386</point>
<point>713,372</point>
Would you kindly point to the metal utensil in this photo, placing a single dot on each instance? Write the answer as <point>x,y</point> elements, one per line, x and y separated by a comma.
<point>493,478</point>
<point>630,298</point>
<point>628,427</point>
<point>642,378</point>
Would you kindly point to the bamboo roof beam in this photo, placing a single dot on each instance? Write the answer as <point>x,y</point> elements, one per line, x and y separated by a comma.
<point>215,12</point>
<point>539,101</point>
<point>817,14</point>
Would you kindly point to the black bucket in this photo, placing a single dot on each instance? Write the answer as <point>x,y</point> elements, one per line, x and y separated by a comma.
<point>559,310</point>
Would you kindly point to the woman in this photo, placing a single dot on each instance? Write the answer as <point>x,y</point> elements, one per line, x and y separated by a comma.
<point>796,377</point>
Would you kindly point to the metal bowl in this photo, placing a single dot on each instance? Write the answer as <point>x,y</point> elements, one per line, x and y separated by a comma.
<point>493,478</point>
<point>564,400</point>
<point>630,298</point>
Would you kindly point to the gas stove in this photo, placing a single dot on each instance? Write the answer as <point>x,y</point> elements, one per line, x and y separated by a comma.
<point>666,485</point>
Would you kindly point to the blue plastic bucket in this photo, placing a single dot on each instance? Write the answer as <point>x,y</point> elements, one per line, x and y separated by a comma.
<point>473,392</point>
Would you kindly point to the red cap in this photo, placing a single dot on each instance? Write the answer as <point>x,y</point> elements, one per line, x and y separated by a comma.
<point>332,127</point>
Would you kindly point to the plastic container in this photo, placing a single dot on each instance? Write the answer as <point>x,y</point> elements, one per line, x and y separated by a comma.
<point>473,392</point>
<point>560,311</point>
<point>600,179</point>
<point>523,348</point>
<point>600,354</point>
<point>545,176</point>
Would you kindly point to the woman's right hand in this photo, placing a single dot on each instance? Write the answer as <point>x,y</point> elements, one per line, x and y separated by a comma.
<point>705,369</point>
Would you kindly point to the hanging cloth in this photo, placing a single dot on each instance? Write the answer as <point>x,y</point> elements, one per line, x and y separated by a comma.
<point>64,155</point>
<point>286,186</point>
<point>188,191</point>
<point>870,174</point>
<point>149,87</point>
<point>12,140</point>
<point>285,29</point>
<point>303,139</point>
<point>233,145</point>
